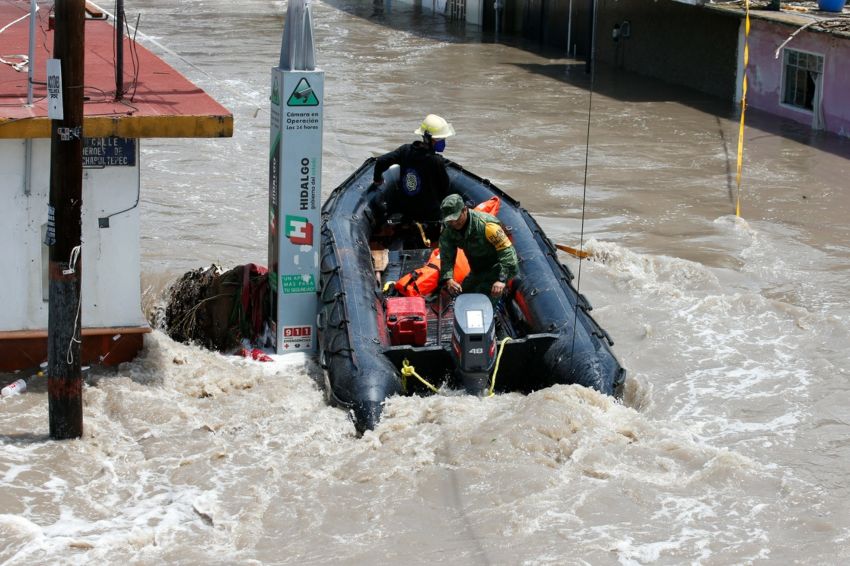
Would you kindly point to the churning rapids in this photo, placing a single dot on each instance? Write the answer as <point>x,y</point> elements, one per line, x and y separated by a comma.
<point>732,445</point>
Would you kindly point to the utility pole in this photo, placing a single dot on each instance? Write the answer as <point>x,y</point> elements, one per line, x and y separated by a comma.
<point>119,49</point>
<point>64,381</point>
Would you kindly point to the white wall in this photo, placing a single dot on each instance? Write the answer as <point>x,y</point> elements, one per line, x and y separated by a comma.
<point>110,256</point>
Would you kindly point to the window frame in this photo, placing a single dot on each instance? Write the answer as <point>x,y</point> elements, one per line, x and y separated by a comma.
<point>786,51</point>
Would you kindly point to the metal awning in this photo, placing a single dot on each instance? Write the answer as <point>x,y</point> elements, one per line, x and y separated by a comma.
<point>160,102</point>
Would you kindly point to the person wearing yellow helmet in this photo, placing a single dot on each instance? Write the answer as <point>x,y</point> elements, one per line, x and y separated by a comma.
<point>423,180</point>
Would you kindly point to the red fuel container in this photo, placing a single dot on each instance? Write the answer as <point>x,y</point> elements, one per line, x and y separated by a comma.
<point>407,321</point>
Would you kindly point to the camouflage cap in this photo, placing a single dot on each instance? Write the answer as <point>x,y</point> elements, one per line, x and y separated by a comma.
<point>451,208</point>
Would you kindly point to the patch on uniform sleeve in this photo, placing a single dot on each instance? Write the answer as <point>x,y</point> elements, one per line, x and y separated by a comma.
<point>496,236</point>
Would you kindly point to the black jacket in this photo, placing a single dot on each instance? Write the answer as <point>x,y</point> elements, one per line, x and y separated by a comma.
<point>423,181</point>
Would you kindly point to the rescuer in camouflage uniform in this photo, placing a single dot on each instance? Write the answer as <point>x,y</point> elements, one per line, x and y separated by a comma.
<point>491,255</point>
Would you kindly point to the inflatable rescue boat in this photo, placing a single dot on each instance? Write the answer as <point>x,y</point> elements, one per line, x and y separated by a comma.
<point>384,328</point>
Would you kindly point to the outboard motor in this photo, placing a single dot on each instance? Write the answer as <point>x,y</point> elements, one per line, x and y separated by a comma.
<point>473,341</point>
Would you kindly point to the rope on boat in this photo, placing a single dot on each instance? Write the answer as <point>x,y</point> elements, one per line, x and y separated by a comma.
<point>425,240</point>
<point>408,370</point>
<point>504,341</point>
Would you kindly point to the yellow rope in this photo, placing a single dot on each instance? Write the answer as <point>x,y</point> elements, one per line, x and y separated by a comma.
<point>425,240</point>
<point>408,370</point>
<point>743,107</point>
<point>496,369</point>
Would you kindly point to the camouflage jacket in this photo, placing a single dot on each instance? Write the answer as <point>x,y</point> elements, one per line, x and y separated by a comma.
<point>485,244</point>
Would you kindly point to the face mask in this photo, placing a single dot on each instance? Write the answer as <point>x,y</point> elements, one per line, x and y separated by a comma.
<point>439,146</point>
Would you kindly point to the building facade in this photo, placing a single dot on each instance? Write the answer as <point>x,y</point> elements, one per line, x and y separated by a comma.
<point>697,44</point>
<point>806,79</point>
<point>158,102</point>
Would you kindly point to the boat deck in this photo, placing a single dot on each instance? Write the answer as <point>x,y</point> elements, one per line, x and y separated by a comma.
<point>440,311</point>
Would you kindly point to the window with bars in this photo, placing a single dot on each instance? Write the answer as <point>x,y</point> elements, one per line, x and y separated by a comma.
<point>457,10</point>
<point>802,71</point>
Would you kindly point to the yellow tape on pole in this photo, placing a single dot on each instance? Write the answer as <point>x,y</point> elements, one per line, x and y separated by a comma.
<point>743,107</point>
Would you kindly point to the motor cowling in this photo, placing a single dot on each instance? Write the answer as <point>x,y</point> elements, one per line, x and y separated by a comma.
<point>473,347</point>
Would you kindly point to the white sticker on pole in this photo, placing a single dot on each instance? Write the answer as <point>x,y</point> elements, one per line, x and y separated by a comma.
<point>54,90</point>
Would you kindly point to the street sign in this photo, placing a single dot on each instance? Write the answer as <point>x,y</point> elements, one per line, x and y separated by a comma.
<point>109,152</point>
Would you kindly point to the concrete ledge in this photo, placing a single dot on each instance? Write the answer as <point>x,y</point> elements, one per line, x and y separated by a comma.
<point>126,127</point>
<point>25,349</point>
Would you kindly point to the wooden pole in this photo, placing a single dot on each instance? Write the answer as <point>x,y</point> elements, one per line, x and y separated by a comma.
<point>581,254</point>
<point>64,382</point>
<point>119,49</point>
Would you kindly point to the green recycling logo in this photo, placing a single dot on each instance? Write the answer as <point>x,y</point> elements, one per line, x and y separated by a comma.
<point>303,95</point>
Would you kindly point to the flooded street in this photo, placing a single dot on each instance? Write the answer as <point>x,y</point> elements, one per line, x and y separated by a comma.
<point>731,446</point>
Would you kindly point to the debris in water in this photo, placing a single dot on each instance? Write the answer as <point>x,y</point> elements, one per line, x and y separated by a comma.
<point>80,545</point>
<point>216,308</point>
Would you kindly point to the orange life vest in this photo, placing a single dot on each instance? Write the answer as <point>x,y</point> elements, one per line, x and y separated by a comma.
<point>423,281</point>
<point>490,206</point>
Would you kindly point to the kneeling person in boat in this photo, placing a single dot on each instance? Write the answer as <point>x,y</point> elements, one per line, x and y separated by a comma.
<point>423,180</point>
<point>491,255</point>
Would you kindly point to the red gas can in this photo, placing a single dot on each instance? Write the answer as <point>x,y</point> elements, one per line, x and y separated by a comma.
<point>407,321</point>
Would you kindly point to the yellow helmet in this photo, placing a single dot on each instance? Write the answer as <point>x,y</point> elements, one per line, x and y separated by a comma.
<point>435,127</point>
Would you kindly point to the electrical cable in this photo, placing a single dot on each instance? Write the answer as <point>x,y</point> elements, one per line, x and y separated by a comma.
<point>586,167</point>
<point>72,261</point>
<point>10,24</point>
<point>103,221</point>
<point>134,54</point>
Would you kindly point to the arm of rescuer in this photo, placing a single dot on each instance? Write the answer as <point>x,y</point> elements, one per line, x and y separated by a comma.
<point>448,253</point>
<point>384,162</point>
<point>441,180</point>
<point>506,255</point>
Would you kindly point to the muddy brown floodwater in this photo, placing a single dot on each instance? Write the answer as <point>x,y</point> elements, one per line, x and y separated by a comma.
<point>732,445</point>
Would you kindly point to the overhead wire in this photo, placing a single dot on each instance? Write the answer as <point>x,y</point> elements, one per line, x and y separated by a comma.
<point>10,24</point>
<point>592,56</point>
<point>134,53</point>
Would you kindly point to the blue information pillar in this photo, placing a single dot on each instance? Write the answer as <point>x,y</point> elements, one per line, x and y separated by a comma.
<point>295,184</point>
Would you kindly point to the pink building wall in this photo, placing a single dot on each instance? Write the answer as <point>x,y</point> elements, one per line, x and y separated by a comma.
<point>765,74</point>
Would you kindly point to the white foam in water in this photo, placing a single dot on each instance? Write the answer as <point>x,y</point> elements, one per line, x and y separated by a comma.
<point>740,347</point>
<point>191,456</point>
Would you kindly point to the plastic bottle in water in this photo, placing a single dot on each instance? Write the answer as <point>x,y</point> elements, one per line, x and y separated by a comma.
<point>15,388</point>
